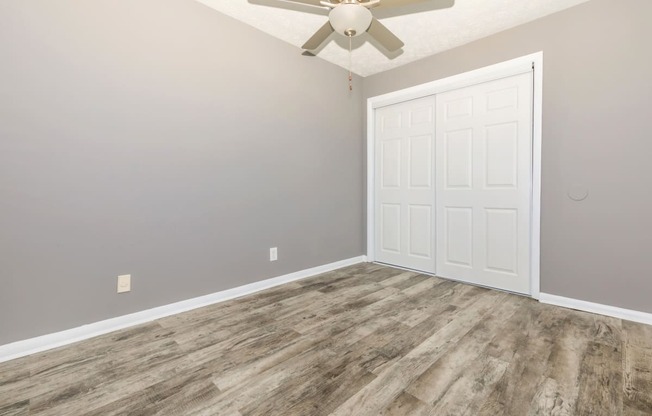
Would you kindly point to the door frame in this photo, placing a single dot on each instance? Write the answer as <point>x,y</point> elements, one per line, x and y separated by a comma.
<point>532,62</point>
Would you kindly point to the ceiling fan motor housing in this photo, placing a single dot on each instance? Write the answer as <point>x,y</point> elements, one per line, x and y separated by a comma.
<point>350,19</point>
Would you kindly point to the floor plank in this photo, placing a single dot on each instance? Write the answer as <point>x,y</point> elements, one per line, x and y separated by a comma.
<point>601,381</point>
<point>637,363</point>
<point>388,386</point>
<point>406,404</point>
<point>527,346</point>
<point>465,357</point>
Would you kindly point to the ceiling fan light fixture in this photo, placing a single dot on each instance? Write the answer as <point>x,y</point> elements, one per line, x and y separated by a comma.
<point>350,19</point>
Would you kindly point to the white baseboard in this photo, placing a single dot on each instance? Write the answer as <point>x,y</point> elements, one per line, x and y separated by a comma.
<point>42,343</point>
<point>581,305</point>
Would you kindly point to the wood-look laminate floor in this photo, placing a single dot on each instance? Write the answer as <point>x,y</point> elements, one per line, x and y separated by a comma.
<point>364,340</point>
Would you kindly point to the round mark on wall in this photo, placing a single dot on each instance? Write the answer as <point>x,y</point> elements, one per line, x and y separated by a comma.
<point>578,192</point>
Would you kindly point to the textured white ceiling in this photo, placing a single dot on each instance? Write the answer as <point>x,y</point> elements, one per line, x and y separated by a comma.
<point>425,31</point>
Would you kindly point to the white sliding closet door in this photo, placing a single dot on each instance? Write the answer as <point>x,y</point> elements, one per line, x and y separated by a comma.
<point>405,185</point>
<point>484,177</point>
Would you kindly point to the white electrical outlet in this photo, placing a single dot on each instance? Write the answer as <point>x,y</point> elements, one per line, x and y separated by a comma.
<point>273,254</point>
<point>124,283</point>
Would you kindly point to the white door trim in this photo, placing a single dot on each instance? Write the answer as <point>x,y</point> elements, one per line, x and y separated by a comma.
<point>489,73</point>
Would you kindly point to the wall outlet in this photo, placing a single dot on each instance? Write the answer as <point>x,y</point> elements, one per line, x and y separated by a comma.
<point>124,283</point>
<point>273,254</point>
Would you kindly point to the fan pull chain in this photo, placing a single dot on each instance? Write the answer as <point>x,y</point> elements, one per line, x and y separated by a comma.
<point>350,64</point>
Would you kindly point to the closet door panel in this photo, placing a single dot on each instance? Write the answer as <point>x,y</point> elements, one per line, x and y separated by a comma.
<point>405,185</point>
<point>484,174</point>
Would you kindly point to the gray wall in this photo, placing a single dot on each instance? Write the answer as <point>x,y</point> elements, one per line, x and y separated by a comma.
<point>596,118</point>
<point>162,139</point>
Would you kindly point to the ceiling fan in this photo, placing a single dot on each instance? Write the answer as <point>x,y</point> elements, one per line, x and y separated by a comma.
<point>352,18</point>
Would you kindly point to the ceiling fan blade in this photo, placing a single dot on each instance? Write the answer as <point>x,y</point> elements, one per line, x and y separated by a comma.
<point>434,4</point>
<point>319,37</point>
<point>383,35</point>
<point>308,2</point>
<point>298,7</point>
